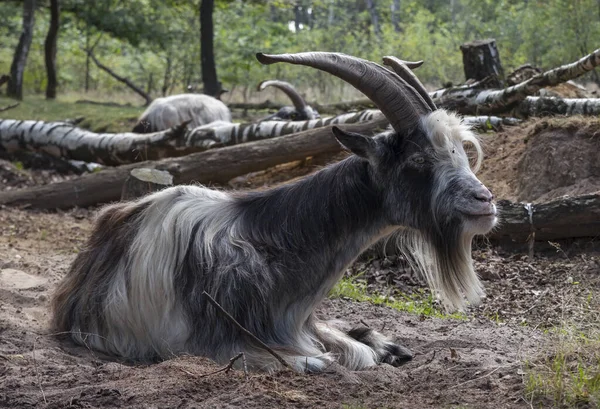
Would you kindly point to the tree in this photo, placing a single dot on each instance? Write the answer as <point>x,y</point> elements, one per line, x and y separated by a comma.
<point>209,72</point>
<point>50,49</point>
<point>15,84</point>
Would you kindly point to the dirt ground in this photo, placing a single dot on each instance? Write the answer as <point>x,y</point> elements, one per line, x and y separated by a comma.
<point>478,361</point>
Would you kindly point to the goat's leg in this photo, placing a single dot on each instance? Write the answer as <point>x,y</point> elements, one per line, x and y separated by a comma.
<point>361,347</point>
<point>387,351</point>
<point>300,361</point>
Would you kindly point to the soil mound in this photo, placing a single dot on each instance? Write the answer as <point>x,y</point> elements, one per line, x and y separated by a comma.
<point>543,160</point>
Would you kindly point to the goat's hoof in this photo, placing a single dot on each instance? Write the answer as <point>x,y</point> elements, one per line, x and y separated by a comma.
<point>396,355</point>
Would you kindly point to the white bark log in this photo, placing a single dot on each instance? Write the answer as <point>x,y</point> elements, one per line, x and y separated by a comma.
<point>63,140</point>
<point>474,101</point>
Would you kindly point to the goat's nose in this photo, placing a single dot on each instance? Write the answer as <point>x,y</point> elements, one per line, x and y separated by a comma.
<point>483,194</point>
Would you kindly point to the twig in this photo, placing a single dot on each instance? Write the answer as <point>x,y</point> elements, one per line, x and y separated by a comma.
<point>225,369</point>
<point>37,372</point>
<point>6,108</point>
<point>481,377</point>
<point>245,331</point>
<point>364,323</point>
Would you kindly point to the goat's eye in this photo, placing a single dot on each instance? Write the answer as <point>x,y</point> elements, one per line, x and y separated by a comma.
<point>419,159</point>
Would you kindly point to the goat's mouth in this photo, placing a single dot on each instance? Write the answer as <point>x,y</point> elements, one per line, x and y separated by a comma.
<point>480,220</point>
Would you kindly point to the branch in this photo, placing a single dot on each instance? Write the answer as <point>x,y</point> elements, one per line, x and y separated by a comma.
<point>6,108</point>
<point>124,80</point>
<point>245,331</point>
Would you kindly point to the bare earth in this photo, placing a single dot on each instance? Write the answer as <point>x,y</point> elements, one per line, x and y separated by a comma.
<point>476,362</point>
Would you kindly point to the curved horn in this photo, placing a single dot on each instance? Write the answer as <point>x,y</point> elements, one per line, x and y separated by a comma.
<point>401,104</point>
<point>288,89</point>
<point>403,69</point>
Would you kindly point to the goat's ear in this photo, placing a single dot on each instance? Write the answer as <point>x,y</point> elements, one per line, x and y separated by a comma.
<point>358,144</point>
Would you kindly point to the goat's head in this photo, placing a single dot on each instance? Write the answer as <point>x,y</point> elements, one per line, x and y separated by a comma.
<point>299,112</point>
<point>421,168</point>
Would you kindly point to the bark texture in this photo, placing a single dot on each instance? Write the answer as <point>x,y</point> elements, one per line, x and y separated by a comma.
<point>481,59</point>
<point>568,217</point>
<point>64,140</point>
<point>215,166</point>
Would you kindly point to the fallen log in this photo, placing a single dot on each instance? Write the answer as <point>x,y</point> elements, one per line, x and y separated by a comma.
<point>142,181</point>
<point>564,218</point>
<point>227,134</point>
<point>473,101</point>
<point>66,141</point>
<point>214,166</point>
<point>548,106</point>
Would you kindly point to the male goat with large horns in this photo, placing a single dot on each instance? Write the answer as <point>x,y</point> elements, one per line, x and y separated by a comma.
<point>270,257</point>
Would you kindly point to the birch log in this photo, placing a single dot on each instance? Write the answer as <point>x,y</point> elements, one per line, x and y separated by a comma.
<point>63,140</point>
<point>473,101</point>
<point>214,166</point>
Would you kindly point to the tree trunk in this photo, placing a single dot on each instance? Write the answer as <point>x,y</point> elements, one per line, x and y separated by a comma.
<point>50,49</point>
<point>4,79</point>
<point>142,181</point>
<point>87,58</point>
<point>563,218</point>
<point>167,76</point>
<point>17,68</point>
<point>216,166</point>
<point>374,16</point>
<point>481,59</point>
<point>209,71</point>
<point>297,17</point>
<point>396,16</point>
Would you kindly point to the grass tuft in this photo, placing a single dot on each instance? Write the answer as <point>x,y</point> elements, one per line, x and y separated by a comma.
<point>421,303</point>
<point>569,375</point>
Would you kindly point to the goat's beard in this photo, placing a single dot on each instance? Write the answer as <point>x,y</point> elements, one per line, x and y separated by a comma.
<point>443,258</point>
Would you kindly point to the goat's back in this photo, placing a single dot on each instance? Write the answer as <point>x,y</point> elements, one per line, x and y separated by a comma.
<point>167,112</point>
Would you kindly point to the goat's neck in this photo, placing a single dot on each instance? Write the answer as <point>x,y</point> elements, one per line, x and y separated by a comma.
<point>315,227</point>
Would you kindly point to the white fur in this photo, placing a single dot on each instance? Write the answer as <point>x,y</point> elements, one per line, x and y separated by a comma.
<point>165,113</point>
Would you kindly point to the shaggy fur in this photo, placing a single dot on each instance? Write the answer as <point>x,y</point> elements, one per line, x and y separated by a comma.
<point>165,113</point>
<point>270,257</point>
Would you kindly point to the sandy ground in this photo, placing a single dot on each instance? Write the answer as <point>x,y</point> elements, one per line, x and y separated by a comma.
<point>477,362</point>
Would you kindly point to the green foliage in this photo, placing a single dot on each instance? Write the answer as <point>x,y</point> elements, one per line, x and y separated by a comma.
<point>98,118</point>
<point>420,303</point>
<point>155,43</point>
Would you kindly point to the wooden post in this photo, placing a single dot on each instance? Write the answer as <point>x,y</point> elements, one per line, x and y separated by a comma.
<point>142,181</point>
<point>481,59</point>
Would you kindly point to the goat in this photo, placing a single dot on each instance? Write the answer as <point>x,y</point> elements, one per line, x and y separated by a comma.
<point>167,112</point>
<point>270,257</point>
<point>299,112</point>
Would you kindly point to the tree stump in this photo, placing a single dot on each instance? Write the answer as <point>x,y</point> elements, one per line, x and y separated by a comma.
<point>481,59</point>
<point>142,181</point>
